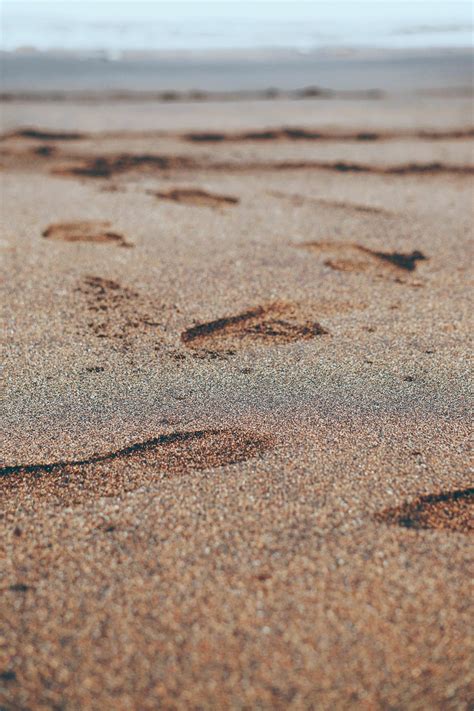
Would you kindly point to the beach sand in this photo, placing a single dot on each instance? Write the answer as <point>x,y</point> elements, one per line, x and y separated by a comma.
<point>235,453</point>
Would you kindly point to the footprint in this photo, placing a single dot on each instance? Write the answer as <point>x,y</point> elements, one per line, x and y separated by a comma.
<point>296,199</point>
<point>276,323</point>
<point>117,313</point>
<point>194,196</point>
<point>40,135</point>
<point>135,465</point>
<point>97,232</point>
<point>447,511</point>
<point>356,258</point>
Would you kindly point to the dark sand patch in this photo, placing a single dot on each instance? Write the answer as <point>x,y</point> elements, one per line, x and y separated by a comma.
<point>453,135</point>
<point>19,587</point>
<point>206,137</point>
<point>117,313</point>
<point>292,134</point>
<point>404,169</point>
<point>276,323</point>
<point>135,465</point>
<point>350,257</point>
<point>338,204</point>
<point>288,133</point>
<point>401,260</point>
<point>96,232</point>
<point>280,133</point>
<point>447,511</point>
<point>428,169</point>
<point>40,135</point>
<point>44,151</point>
<point>107,166</point>
<point>196,197</point>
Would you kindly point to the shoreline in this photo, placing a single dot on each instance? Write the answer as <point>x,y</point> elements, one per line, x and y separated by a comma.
<point>355,71</point>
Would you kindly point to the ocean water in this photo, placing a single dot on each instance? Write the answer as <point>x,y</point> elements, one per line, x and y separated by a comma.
<point>113,25</point>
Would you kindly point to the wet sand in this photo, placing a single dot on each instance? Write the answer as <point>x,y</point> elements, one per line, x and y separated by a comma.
<point>238,70</point>
<point>235,457</point>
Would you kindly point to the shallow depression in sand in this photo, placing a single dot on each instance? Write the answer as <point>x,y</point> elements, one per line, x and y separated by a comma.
<point>447,511</point>
<point>42,135</point>
<point>117,313</point>
<point>276,323</point>
<point>196,197</point>
<point>137,464</point>
<point>85,231</point>
<point>351,257</point>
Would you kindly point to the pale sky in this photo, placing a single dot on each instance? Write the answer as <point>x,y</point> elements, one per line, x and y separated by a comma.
<point>132,24</point>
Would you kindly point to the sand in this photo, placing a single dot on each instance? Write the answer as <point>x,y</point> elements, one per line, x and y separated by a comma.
<point>235,465</point>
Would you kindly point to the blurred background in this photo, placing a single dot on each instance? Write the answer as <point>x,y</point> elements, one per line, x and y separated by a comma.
<point>233,46</point>
<point>112,27</point>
